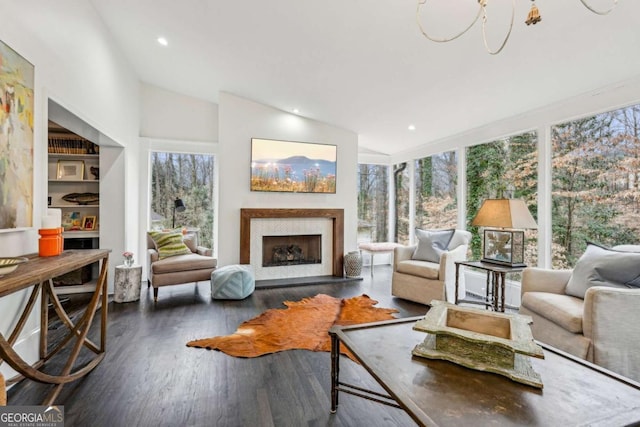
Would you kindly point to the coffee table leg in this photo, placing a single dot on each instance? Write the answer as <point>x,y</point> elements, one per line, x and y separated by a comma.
<point>335,371</point>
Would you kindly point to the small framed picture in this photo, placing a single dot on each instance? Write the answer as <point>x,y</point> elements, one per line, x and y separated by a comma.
<point>89,222</point>
<point>70,170</point>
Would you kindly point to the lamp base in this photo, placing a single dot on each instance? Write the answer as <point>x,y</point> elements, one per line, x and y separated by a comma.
<point>505,263</point>
<point>504,247</point>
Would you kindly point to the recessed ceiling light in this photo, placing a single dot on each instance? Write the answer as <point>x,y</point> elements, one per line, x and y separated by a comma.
<point>163,41</point>
<point>296,111</point>
<point>412,127</point>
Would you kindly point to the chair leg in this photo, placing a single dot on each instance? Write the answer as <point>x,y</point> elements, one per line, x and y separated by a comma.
<point>155,294</point>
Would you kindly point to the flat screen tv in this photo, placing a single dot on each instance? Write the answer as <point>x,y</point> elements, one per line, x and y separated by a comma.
<point>295,167</point>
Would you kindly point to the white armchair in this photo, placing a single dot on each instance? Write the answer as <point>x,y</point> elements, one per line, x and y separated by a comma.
<point>424,281</point>
<point>603,328</point>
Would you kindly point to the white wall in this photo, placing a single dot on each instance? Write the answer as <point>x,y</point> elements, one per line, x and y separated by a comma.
<point>239,121</point>
<point>172,116</point>
<point>78,66</point>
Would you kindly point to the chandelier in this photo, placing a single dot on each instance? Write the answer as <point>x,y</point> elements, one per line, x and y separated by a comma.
<point>532,18</point>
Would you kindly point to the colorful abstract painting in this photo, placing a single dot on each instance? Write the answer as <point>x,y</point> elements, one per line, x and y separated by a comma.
<point>16,140</point>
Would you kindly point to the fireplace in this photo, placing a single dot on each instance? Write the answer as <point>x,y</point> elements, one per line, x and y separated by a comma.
<point>258,223</point>
<point>291,250</point>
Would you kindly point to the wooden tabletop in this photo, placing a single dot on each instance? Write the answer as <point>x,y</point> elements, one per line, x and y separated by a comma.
<point>442,393</point>
<point>40,269</point>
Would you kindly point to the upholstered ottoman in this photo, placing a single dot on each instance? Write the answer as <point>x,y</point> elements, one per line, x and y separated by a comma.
<point>232,282</point>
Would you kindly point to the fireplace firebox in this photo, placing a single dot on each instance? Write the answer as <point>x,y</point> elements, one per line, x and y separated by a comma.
<point>291,250</point>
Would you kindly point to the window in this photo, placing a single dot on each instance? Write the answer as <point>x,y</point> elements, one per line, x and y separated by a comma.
<point>503,168</point>
<point>373,203</point>
<point>401,184</point>
<point>436,179</point>
<point>189,177</point>
<point>595,183</point>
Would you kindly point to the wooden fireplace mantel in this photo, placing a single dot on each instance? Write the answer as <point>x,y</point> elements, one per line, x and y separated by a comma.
<point>336,215</point>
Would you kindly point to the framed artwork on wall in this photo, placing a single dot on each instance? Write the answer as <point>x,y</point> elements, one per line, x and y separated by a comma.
<point>16,140</point>
<point>293,167</point>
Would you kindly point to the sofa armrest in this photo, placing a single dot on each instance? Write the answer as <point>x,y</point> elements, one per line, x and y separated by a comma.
<point>201,250</point>
<point>536,279</point>
<point>611,320</point>
<point>402,253</point>
<point>448,270</point>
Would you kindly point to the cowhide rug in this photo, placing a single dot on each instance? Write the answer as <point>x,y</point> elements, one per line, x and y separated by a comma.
<point>302,325</point>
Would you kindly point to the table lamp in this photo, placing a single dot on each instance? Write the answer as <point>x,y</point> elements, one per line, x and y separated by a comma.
<point>504,220</point>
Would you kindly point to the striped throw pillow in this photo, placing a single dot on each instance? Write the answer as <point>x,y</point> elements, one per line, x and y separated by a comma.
<point>169,243</point>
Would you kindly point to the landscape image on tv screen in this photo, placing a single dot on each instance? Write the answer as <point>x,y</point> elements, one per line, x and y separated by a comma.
<point>299,167</point>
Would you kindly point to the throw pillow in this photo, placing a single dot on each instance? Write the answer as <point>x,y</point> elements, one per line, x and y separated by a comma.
<point>431,244</point>
<point>169,243</point>
<point>600,266</point>
<point>190,242</point>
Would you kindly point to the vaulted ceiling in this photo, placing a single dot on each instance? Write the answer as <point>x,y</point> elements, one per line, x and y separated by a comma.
<point>363,65</point>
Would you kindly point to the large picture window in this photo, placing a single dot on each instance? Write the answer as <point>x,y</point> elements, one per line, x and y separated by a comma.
<point>401,179</point>
<point>505,168</point>
<point>436,179</point>
<point>595,193</point>
<point>373,203</point>
<point>189,177</point>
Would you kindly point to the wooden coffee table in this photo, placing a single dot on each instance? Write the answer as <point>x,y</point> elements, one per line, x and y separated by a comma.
<point>441,393</point>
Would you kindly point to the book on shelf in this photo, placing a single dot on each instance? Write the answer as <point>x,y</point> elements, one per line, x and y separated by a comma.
<point>66,145</point>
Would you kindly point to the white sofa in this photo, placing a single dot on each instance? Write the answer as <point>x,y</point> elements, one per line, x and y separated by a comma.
<point>603,328</point>
<point>424,281</point>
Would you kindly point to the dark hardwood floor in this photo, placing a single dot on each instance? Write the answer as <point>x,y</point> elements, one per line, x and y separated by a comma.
<point>150,378</point>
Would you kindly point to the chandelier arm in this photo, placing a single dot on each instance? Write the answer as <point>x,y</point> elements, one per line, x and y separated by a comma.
<point>424,33</point>
<point>504,42</point>
<point>600,12</point>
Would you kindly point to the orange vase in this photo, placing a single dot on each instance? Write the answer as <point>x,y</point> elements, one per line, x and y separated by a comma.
<point>50,243</point>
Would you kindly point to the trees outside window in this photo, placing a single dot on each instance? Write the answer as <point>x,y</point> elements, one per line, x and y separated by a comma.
<point>436,179</point>
<point>595,182</point>
<point>505,168</point>
<point>189,177</point>
<point>373,203</point>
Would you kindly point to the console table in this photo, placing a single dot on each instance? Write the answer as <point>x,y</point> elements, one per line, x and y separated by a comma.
<point>441,393</point>
<point>496,277</point>
<point>39,272</point>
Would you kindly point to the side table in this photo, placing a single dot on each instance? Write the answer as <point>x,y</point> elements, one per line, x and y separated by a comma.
<point>496,274</point>
<point>127,283</point>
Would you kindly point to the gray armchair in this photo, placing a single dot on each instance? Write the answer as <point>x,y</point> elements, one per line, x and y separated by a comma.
<point>603,328</point>
<point>194,267</point>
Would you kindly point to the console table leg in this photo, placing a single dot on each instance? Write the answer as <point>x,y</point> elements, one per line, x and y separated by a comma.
<point>502,289</point>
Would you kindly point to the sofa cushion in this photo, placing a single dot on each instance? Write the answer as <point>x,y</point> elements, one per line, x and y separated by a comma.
<point>431,244</point>
<point>600,266</point>
<point>179,263</point>
<point>169,244</point>
<point>563,310</point>
<point>428,270</point>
